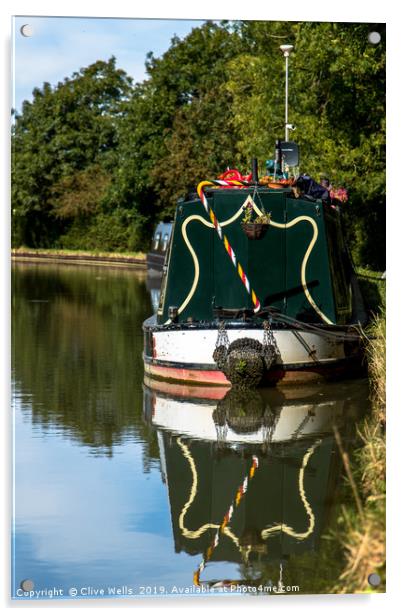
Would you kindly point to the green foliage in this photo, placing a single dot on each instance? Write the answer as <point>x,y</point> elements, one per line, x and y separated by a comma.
<point>67,132</point>
<point>196,148</point>
<point>95,144</point>
<point>80,194</point>
<point>107,231</point>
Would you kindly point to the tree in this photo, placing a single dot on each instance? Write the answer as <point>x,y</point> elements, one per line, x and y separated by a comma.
<point>57,137</point>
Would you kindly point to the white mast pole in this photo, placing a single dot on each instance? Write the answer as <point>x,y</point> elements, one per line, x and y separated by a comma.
<point>286,96</point>
<point>286,50</point>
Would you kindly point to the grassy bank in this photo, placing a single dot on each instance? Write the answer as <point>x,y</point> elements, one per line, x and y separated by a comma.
<point>362,526</point>
<point>77,253</point>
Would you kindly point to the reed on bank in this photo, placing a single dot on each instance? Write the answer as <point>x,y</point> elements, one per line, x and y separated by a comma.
<point>363,525</point>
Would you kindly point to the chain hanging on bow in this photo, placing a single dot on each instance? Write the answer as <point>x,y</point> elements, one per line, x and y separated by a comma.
<point>221,346</point>
<point>270,348</point>
<point>223,338</point>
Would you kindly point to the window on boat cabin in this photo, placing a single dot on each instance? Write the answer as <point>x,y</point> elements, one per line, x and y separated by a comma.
<point>165,241</point>
<point>157,239</point>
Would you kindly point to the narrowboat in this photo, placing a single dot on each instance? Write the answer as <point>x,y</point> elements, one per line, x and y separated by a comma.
<point>258,286</point>
<point>250,303</point>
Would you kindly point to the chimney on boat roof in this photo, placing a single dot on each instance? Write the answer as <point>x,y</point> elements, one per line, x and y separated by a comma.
<point>254,170</point>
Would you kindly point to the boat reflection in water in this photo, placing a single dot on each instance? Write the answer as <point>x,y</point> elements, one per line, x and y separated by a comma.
<point>251,475</point>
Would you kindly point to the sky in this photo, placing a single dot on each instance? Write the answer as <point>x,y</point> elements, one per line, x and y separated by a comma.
<point>61,45</point>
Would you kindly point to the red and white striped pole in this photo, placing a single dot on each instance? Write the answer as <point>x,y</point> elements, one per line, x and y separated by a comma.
<point>222,236</point>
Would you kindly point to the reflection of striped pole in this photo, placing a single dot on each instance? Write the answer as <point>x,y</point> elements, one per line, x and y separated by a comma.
<point>228,248</point>
<point>241,490</point>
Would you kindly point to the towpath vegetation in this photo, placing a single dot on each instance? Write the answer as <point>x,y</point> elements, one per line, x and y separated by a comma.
<point>131,259</point>
<point>362,523</point>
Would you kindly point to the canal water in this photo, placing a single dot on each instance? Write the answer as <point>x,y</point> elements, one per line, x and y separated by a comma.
<point>123,488</point>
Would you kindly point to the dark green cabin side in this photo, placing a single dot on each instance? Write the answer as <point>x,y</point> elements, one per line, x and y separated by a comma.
<point>299,267</point>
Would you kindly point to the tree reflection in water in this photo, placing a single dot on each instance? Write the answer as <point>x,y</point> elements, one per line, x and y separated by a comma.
<point>77,352</point>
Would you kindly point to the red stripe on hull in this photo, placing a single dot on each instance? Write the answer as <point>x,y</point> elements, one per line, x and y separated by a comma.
<point>184,375</point>
<point>305,374</point>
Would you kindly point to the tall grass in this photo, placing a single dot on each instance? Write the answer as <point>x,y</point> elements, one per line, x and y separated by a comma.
<point>363,537</point>
<point>377,364</point>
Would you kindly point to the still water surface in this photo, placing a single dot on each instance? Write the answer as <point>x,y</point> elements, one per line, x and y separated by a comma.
<point>125,489</point>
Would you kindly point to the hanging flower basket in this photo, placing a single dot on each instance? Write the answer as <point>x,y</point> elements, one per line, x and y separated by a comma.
<point>254,230</point>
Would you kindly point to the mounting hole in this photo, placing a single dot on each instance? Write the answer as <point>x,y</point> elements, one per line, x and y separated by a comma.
<point>26,30</point>
<point>374,38</point>
<point>374,579</point>
<point>27,585</point>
